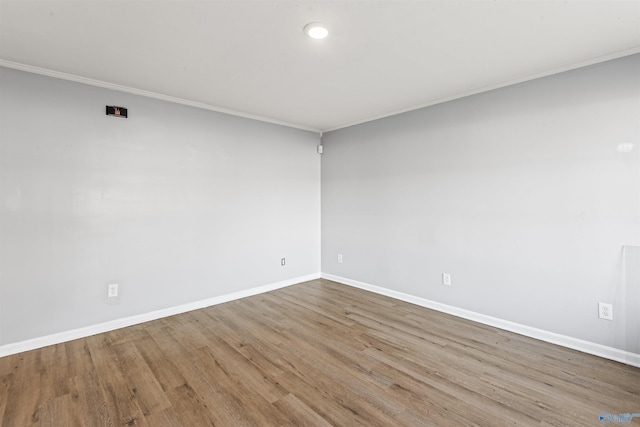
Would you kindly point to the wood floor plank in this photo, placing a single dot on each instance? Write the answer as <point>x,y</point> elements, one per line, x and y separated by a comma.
<point>90,404</point>
<point>192,410</point>
<point>119,397</point>
<point>245,372</point>
<point>299,413</point>
<point>203,396</point>
<point>141,381</point>
<point>166,418</point>
<point>314,354</point>
<point>54,372</point>
<point>255,351</point>
<point>5,385</point>
<point>22,401</point>
<point>78,358</point>
<point>331,403</point>
<point>58,412</point>
<point>162,365</point>
<point>413,380</point>
<point>253,407</point>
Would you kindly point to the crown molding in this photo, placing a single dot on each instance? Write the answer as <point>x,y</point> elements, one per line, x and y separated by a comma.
<point>146,93</point>
<point>527,78</point>
<point>149,94</point>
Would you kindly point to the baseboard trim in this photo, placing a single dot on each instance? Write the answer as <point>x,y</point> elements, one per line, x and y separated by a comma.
<point>87,331</point>
<point>588,347</point>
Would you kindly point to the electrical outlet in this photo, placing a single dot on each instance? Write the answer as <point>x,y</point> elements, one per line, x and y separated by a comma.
<point>446,279</point>
<point>112,290</point>
<point>340,258</point>
<point>605,311</point>
<point>283,261</point>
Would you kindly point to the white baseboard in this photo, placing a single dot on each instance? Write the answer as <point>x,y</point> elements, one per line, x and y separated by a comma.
<point>606,352</point>
<point>600,350</point>
<point>87,331</point>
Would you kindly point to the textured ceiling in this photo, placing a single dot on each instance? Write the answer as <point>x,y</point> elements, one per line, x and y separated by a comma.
<point>252,57</point>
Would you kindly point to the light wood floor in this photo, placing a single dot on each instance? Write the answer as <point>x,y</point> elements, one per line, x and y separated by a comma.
<point>318,353</point>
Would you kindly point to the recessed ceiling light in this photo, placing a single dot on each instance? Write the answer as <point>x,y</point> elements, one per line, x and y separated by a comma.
<point>316,30</point>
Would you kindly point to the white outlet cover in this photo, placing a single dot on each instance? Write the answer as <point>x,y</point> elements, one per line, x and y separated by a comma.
<point>605,311</point>
<point>340,258</point>
<point>446,279</point>
<point>112,290</point>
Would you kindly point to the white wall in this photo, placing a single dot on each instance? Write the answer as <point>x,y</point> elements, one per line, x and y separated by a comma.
<point>519,193</point>
<point>176,204</point>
